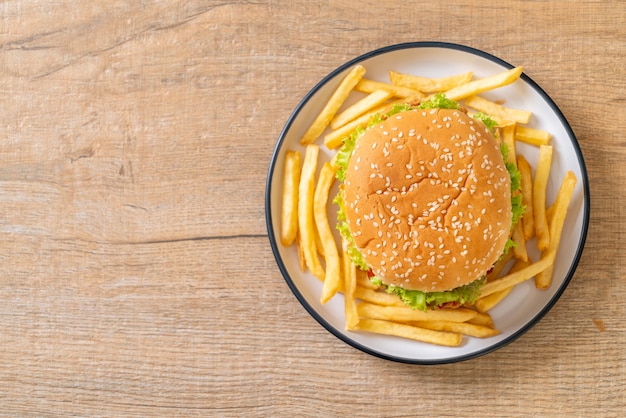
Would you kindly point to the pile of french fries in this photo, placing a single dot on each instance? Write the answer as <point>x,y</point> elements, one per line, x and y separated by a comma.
<point>308,183</point>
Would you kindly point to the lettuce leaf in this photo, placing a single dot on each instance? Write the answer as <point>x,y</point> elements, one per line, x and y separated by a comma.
<point>438,101</point>
<point>344,230</point>
<point>487,120</point>
<point>517,207</point>
<point>345,152</point>
<point>397,108</point>
<point>423,301</point>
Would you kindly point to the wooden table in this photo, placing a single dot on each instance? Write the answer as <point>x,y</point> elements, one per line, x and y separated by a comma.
<point>136,274</point>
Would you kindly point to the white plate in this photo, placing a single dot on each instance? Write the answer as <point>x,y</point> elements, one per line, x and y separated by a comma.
<point>525,305</point>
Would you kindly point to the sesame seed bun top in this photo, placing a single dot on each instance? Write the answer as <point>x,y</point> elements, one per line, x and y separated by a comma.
<point>428,199</point>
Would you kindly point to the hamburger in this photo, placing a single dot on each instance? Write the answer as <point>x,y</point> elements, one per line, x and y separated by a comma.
<point>427,202</point>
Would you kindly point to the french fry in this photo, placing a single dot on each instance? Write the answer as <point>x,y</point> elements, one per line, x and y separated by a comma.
<point>508,138</point>
<point>500,123</point>
<point>369,86</point>
<point>486,303</point>
<point>497,268</point>
<point>472,330</point>
<point>517,277</point>
<point>557,212</point>
<point>519,250</point>
<point>496,110</point>
<point>335,138</point>
<point>488,83</point>
<point>482,318</point>
<point>429,85</point>
<point>349,286</point>
<point>369,102</point>
<point>526,182</point>
<point>300,252</point>
<point>306,224</point>
<point>564,196</point>
<point>362,280</point>
<point>406,314</point>
<point>378,298</point>
<point>332,275</point>
<point>542,173</point>
<point>532,136</point>
<point>332,106</point>
<point>410,332</point>
<point>550,212</point>
<point>318,241</point>
<point>289,214</point>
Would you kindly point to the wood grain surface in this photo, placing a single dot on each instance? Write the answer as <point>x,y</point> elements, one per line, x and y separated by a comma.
<point>135,270</point>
